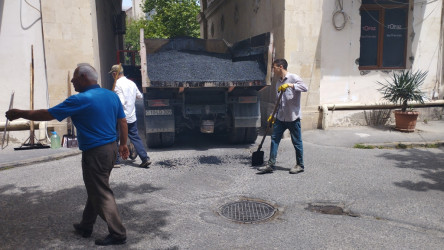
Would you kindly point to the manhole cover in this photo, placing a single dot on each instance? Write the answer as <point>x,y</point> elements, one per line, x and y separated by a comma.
<point>247,211</point>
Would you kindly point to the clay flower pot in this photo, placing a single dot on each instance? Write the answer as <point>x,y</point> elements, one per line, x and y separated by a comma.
<point>404,87</point>
<point>406,121</point>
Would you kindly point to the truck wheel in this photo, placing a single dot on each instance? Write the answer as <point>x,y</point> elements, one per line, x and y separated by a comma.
<point>167,139</point>
<point>251,135</point>
<point>237,135</point>
<point>153,140</point>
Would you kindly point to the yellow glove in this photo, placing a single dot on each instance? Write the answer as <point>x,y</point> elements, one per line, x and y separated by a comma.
<point>283,87</point>
<point>270,119</point>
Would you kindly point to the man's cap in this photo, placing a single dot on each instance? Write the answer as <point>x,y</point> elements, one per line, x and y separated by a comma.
<point>115,68</point>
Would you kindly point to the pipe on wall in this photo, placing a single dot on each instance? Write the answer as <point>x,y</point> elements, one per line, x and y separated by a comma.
<point>326,107</point>
<point>26,125</point>
<point>18,126</point>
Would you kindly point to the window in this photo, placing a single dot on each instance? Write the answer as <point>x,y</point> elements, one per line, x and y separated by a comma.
<point>384,25</point>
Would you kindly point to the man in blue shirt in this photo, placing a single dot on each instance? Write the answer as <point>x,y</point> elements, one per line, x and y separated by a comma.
<point>95,112</point>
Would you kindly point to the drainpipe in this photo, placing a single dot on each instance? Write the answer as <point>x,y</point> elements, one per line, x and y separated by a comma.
<point>17,126</point>
<point>326,107</point>
<point>26,125</point>
<point>324,116</point>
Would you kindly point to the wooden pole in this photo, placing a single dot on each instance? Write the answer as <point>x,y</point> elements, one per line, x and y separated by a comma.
<point>31,97</point>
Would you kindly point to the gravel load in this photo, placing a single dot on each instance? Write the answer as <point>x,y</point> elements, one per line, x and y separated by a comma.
<point>201,66</point>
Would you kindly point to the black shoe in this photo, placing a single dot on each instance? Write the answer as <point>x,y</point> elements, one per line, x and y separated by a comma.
<point>145,164</point>
<point>85,233</point>
<point>110,240</point>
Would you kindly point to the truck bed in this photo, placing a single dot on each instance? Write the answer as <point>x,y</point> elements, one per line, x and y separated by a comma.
<point>194,63</point>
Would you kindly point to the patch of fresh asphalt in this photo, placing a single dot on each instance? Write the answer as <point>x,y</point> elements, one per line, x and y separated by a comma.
<point>174,204</point>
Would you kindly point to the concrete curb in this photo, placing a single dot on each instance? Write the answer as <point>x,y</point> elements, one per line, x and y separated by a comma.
<point>30,161</point>
<point>401,145</point>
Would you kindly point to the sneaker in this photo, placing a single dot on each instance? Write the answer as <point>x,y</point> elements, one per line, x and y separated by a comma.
<point>296,169</point>
<point>266,169</point>
<point>133,152</point>
<point>145,164</point>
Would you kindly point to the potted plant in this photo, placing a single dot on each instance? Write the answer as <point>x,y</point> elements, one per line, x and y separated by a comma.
<point>403,87</point>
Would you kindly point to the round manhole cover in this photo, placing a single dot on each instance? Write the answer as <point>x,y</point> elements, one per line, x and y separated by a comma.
<point>247,211</point>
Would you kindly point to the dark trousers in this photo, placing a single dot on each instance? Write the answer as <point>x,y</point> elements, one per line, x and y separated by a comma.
<point>97,164</point>
<point>134,137</point>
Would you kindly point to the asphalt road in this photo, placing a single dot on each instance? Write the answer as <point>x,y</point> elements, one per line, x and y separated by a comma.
<point>392,199</point>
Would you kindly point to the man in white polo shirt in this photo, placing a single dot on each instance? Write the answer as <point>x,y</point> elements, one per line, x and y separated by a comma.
<point>128,92</point>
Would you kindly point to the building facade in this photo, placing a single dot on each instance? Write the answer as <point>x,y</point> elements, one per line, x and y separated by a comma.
<point>62,33</point>
<point>340,48</point>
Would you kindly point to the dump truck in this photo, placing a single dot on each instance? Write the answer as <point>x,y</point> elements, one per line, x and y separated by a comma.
<point>209,85</point>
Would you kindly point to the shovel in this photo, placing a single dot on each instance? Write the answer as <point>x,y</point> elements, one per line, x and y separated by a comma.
<point>258,157</point>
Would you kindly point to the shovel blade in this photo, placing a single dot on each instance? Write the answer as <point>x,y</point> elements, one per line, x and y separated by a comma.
<point>258,158</point>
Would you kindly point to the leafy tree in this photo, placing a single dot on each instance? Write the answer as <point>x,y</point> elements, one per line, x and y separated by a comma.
<point>168,18</point>
<point>172,18</point>
<point>133,32</point>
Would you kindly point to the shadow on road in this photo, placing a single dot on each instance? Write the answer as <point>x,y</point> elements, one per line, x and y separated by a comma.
<point>34,219</point>
<point>194,140</point>
<point>429,162</point>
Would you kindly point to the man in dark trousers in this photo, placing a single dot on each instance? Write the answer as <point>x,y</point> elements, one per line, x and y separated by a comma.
<point>288,116</point>
<point>95,112</point>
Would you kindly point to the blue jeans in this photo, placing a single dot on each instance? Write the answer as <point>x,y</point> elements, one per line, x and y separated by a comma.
<point>279,128</point>
<point>134,137</point>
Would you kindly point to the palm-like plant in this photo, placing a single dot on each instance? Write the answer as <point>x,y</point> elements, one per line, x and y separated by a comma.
<point>403,87</point>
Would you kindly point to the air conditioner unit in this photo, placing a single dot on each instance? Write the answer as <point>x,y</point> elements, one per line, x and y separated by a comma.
<point>120,23</point>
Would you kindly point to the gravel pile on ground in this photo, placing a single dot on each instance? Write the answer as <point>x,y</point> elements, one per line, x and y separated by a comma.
<point>200,66</point>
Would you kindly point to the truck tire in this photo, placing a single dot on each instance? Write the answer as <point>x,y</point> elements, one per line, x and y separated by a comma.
<point>157,140</point>
<point>242,135</point>
<point>153,140</point>
<point>167,139</point>
<point>236,135</point>
<point>251,135</point>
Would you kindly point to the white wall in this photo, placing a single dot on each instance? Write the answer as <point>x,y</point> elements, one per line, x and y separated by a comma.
<point>74,32</point>
<point>341,80</point>
<point>137,11</point>
<point>21,28</point>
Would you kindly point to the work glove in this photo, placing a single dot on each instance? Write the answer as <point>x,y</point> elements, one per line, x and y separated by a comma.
<point>271,119</point>
<point>283,87</point>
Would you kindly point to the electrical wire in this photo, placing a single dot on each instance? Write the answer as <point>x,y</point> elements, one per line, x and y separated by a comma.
<point>337,13</point>
<point>21,19</point>
<point>32,6</point>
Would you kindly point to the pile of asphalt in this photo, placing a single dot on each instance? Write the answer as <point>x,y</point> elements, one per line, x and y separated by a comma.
<point>200,66</point>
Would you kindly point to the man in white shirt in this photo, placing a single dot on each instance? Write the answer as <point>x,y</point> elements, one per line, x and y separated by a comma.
<point>288,116</point>
<point>128,92</point>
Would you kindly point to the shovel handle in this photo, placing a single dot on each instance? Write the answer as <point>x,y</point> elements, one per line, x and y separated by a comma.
<point>271,120</point>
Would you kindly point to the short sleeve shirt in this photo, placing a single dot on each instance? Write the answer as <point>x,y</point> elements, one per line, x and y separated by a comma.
<point>94,112</point>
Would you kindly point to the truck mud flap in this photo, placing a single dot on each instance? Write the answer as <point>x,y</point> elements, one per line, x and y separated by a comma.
<point>160,127</point>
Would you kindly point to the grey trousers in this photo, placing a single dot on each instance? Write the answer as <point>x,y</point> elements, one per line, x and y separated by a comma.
<point>97,164</point>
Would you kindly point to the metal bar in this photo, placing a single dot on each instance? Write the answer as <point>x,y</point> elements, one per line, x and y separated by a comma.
<point>6,123</point>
